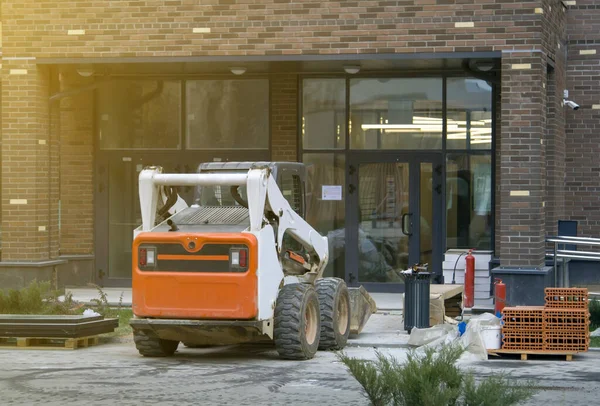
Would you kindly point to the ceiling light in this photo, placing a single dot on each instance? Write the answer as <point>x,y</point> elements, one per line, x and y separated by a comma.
<point>482,65</point>
<point>238,70</point>
<point>85,70</point>
<point>352,69</point>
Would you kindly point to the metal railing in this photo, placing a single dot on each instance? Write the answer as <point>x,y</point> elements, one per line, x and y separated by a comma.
<point>565,254</point>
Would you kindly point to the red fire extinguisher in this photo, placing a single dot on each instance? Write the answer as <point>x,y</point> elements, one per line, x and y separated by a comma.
<point>469,280</point>
<point>499,296</point>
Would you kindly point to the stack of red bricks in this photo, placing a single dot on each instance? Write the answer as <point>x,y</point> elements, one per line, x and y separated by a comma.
<point>562,325</point>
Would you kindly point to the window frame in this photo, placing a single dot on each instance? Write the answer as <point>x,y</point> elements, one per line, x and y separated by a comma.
<point>444,151</point>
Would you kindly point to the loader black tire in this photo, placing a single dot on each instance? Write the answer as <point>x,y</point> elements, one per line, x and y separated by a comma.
<point>149,345</point>
<point>334,301</point>
<point>297,322</point>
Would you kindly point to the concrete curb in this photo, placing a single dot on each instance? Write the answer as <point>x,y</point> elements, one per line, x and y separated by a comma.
<point>375,345</point>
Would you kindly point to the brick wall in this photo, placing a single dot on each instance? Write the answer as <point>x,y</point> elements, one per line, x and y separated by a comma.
<point>525,31</point>
<point>28,177</point>
<point>284,118</point>
<point>582,202</point>
<point>272,27</point>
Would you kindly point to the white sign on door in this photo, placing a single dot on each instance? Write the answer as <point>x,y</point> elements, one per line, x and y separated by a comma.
<point>332,192</point>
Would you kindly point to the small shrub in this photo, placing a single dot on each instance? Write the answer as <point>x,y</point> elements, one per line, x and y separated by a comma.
<point>432,379</point>
<point>102,306</point>
<point>594,307</point>
<point>36,298</point>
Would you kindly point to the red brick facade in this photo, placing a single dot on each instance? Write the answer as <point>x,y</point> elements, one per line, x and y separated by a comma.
<point>45,155</point>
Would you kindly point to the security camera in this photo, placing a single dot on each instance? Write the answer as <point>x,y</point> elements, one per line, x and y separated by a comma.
<point>572,104</point>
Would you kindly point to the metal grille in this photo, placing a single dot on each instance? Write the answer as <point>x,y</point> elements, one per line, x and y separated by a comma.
<point>212,215</point>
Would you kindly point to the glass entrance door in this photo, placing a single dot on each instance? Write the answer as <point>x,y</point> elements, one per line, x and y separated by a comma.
<point>118,209</point>
<point>395,205</point>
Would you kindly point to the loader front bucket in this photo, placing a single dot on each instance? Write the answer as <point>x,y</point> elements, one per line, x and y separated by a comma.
<point>362,307</point>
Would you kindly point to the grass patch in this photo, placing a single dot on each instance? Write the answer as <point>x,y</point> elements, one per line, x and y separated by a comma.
<point>433,379</point>
<point>595,342</point>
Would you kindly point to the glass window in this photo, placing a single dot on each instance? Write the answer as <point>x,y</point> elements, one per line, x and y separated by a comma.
<point>327,216</point>
<point>139,114</point>
<point>227,114</point>
<point>396,113</point>
<point>291,188</point>
<point>469,104</point>
<point>323,113</point>
<point>469,201</point>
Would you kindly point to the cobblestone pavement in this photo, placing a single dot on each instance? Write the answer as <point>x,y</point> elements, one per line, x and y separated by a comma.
<point>114,374</point>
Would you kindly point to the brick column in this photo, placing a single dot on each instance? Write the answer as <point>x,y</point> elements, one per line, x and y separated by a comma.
<point>284,118</point>
<point>522,160</point>
<point>29,177</point>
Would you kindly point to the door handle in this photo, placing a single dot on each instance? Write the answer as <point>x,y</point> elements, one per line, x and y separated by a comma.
<point>438,189</point>
<point>352,169</point>
<point>351,188</point>
<point>406,230</point>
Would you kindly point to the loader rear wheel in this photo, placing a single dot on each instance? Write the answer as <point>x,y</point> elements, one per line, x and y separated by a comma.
<point>297,322</point>
<point>150,345</point>
<point>334,300</point>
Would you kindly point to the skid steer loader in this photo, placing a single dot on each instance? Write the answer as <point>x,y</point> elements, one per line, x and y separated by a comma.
<point>239,265</point>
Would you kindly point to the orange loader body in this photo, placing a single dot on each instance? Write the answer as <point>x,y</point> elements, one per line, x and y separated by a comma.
<point>186,282</point>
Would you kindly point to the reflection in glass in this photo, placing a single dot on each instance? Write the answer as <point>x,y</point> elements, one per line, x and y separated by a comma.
<point>469,201</point>
<point>327,216</point>
<point>227,114</point>
<point>139,114</point>
<point>323,113</point>
<point>383,193</point>
<point>396,113</point>
<point>426,209</point>
<point>469,106</point>
<point>123,202</point>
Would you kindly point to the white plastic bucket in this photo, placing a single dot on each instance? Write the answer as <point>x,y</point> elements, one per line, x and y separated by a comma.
<point>492,337</point>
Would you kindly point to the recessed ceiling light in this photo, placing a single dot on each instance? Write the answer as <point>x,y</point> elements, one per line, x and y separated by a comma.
<point>238,70</point>
<point>352,69</point>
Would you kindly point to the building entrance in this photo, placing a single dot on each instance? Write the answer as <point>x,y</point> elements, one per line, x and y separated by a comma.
<point>393,213</point>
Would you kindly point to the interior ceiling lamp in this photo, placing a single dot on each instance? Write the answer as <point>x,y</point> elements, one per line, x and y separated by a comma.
<point>238,70</point>
<point>482,65</point>
<point>352,69</point>
<point>86,70</point>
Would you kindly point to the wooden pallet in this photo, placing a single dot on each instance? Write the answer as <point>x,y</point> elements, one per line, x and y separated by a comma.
<point>46,343</point>
<point>525,353</point>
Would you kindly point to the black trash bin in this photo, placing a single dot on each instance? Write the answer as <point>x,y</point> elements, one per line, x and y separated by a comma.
<point>416,300</point>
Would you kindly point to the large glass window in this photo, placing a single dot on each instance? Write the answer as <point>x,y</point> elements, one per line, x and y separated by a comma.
<point>469,114</point>
<point>326,204</point>
<point>408,114</point>
<point>323,113</point>
<point>139,114</point>
<point>227,114</point>
<point>396,113</point>
<point>469,201</point>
